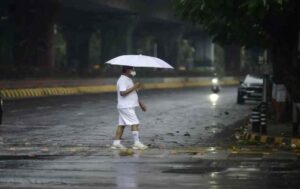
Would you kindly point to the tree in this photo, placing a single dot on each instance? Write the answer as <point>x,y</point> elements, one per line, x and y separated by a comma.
<point>272,24</point>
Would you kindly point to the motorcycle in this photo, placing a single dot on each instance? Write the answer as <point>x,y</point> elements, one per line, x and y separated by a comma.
<point>215,86</point>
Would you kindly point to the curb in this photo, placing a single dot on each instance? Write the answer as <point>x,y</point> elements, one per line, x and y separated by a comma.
<point>265,139</point>
<point>8,94</point>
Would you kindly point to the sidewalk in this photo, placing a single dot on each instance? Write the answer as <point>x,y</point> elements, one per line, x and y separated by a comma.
<point>281,129</point>
<point>277,134</point>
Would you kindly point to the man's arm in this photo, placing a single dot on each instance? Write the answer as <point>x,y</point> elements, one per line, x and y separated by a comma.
<point>143,106</point>
<point>135,87</point>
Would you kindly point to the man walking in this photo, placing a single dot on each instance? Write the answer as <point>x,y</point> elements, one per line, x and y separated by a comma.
<point>127,102</point>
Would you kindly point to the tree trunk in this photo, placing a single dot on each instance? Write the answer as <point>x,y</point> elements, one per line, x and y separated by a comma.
<point>232,59</point>
<point>285,61</point>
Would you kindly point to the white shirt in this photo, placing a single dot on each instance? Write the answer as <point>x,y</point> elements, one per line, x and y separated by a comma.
<point>130,100</point>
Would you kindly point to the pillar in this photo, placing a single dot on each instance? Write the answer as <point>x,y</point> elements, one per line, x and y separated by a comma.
<point>117,37</point>
<point>232,59</point>
<point>168,44</point>
<point>34,21</point>
<point>295,119</point>
<point>7,33</point>
<point>78,49</point>
<point>203,50</point>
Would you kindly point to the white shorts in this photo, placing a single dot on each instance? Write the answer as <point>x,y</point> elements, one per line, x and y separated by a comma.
<point>127,116</point>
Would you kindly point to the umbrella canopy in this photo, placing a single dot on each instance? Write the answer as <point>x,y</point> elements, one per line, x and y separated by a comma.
<point>139,61</point>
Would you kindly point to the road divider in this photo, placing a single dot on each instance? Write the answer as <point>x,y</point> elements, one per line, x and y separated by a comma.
<point>266,139</point>
<point>19,93</point>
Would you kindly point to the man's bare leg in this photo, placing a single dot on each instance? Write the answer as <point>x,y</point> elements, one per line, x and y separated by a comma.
<point>117,141</point>
<point>119,132</point>
<point>135,128</point>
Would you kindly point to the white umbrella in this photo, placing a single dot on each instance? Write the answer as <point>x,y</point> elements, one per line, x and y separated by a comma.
<point>139,61</point>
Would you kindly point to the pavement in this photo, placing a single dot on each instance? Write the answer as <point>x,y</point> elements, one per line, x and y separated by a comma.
<point>283,129</point>
<point>209,167</point>
<point>63,142</point>
<point>278,133</point>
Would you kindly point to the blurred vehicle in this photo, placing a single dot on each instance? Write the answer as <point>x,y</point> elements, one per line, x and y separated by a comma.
<point>251,89</point>
<point>215,86</point>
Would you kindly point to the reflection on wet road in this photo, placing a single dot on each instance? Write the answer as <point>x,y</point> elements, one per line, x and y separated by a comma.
<point>154,168</point>
<point>64,142</point>
<point>175,118</point>
<point>214,98</point>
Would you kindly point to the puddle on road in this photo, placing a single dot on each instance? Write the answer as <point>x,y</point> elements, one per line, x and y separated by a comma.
<point>43,107</point>
<point>80,113</point>
<point>214,128</point>
<point>128,153</point>
<point>193,169</point>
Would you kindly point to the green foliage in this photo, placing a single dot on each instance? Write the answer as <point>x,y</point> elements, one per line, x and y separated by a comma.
<point>245,22</point>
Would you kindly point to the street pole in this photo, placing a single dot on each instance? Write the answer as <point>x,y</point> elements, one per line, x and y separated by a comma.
<point>295,119</point>
<point>264,105</point>
<point>255,119</point>
<point>1,110</point>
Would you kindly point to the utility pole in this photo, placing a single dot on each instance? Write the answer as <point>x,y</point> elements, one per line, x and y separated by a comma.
<point>1,110</point>
<point>264,104</point>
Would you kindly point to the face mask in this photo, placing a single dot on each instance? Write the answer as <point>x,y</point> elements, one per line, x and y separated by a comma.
<point>133,73</point>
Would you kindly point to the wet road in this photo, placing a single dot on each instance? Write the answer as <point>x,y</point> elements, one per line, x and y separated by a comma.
<point>63,142</point>
<point>174,118</point>
<point>153,169</point>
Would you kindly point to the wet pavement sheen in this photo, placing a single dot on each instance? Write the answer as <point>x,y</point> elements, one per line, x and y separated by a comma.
<point>63,142</point>
<point>175,118</point>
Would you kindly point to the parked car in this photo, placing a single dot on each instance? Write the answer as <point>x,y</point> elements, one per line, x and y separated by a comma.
<point>250,89</point>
